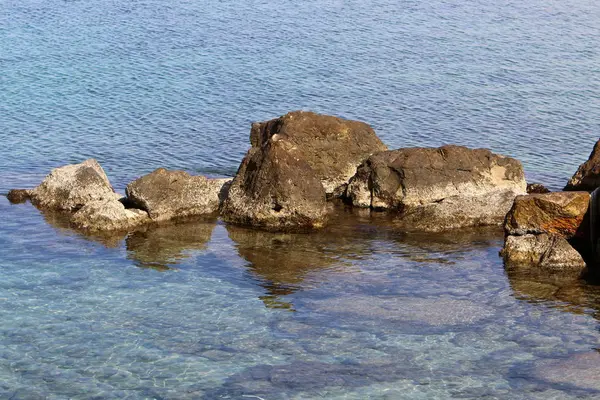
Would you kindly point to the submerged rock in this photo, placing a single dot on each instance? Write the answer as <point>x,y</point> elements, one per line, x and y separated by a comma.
<point>587,176</point>
<point>332,147</point>
<point>70,187</point>
<point>276,189</point>
<point>580,370</point>
<point>439,188</point>
<point>559,212</point>
<point>107,215</point>
<point>16,196</point>
<point>168,194</point>
<point>550,252</point>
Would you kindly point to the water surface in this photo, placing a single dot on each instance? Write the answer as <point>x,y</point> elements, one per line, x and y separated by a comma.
<point>206,310</point>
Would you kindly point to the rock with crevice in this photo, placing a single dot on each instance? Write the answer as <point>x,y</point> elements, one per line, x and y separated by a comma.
<point>276,189</point>
<point>333,147</point>
<point>587,176</point>
<point>70,187</point>
<point>108,215</point>
<point>439,188</point>
<point>167,195</point>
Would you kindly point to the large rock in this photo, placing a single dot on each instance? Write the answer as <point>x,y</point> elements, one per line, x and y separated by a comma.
<point>276,189</point>
<point>587,176</point>
<point>70,187</point>
<point>439,188</point>
<point>333,147</point>
<point>169,195</point>
<point>107,215</point>
<point>557,213</point>
<point>549,252</point>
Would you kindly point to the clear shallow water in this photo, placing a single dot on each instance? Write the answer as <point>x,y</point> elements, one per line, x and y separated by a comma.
<point>212,311</point>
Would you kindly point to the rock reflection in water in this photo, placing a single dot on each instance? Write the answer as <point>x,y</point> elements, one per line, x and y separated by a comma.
<point>563,292</point>
<point>282,261</point>
<point>164,246</point>
<point>60,221</point>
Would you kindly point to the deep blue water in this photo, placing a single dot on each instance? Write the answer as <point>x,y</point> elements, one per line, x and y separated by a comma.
<point>212,311</point>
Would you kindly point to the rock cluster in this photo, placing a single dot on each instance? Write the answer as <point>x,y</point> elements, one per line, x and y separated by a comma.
<point>84,193</point>
<point>298,162</point>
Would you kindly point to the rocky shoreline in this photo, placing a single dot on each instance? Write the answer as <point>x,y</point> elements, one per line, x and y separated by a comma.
<point>302,166</point>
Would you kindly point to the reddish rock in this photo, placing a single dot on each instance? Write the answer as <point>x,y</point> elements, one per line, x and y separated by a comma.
<point>559,213</point>
<point>587,176</point>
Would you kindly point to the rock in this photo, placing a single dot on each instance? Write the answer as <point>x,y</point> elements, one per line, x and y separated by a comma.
<point>579,370</point>
<point>536,188</point>
<point>107,215</point>
<point>17,196</point>
<point>168,194</point>
<point>70,187</point>
<point>587,176</point>
<point>332,147</point>
<point>458,212</point>
<point>276,189</point>
<point>439,188</point>
<point>559,213</point>
<point>550,252</point>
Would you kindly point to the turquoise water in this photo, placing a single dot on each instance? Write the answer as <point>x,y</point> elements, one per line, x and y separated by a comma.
<point>210,311</point>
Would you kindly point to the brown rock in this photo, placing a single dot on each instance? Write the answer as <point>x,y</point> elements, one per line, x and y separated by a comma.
<point>107,215</point>
<point>439,188</point>
<point>559,213</point>
<point>533,188</point>
<point>16,196</point>
<point>332,147</point>
<point>587,176</point>
<point>71,187</point>
<point>549,252</point>
<point>276,189</point>
<point>167,194</point>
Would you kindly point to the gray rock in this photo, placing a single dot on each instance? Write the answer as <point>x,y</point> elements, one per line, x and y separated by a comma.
<point>107,215</point>
<point>169,195</point>
<point>16,196</point>
<point>439,188</point>
<point>549,252</point>
<point>332,147</point>
<point>70,187</point>
<point>276,189</point>
<point>458,212</point>
<point>587,176</point>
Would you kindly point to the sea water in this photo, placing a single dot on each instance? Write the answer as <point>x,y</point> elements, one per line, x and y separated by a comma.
<point>210,311</point>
